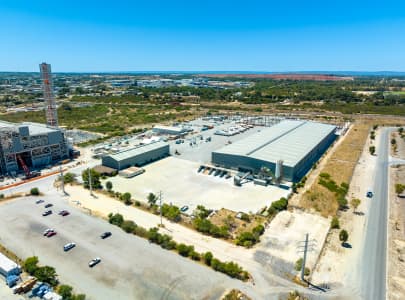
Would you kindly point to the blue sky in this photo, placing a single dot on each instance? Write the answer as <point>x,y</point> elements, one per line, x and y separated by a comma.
<point>203,35</point>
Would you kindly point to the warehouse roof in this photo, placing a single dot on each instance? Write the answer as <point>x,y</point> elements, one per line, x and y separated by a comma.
<point>137,151</point>
<point>288,140</point>
<point>170,128</point>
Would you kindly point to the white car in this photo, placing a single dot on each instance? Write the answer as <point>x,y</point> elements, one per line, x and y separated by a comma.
<point>94,262</point>
<point>69,246</point>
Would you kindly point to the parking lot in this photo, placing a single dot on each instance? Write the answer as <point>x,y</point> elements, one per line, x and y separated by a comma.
<point>181,185</point>
<point>130,267</point>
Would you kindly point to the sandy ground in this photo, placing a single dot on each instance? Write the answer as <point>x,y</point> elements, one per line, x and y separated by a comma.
<point>337,265</point>
<point>281,242</point>
<point>396,231</point>
<point>181,184</point>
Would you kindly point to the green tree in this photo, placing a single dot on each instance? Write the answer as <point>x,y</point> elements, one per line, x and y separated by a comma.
<point>126,197</point>
<point>399,188</point>
<point>79,297</point>
<point>69,178</point>
<point>95,179</point>
<point>66,291</point>
<point>355,203</point>
<point>46,274</point>
<point>372,150</point>
<point>343,236</point>
<point>115,219</point>
<point>393,141</point>
<point>34,191</point>
<point>152,198</point>
<point>208,258</point>
<point>108,185</point>
<point>31,264</point>
<point>334,224</point>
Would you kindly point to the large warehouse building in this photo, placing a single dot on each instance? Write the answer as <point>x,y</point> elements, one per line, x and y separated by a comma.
<point>136,156</point>
<point>298,144</point>
<point>27,145</point>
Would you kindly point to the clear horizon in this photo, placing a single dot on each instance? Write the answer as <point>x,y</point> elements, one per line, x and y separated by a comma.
<point>229,36</point>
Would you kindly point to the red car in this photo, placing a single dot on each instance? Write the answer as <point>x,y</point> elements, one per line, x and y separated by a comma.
<point>51,233</point>
<point>64,213</point>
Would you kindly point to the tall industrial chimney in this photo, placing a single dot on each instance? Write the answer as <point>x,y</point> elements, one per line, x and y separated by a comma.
<point>47,87</point>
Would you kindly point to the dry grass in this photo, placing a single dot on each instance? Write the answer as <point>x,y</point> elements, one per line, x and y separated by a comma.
<point>237,226</point>
<point>342,162</point>
<point>340,166</point>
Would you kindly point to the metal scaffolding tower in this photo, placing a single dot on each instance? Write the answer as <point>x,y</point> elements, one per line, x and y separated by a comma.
<point>47,87</point>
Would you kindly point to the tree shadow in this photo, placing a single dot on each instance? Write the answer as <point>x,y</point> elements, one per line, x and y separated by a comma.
<point>359,213</point>
<point>346,245</point>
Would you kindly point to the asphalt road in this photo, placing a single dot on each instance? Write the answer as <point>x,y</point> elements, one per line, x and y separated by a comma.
<point>131,268</point>
<point>373,266</point>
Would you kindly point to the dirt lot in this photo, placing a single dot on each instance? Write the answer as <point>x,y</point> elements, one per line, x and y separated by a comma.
<point>279,244</point>
<point>182,185</point>
<point>340,166</point>
<point>396,238</point>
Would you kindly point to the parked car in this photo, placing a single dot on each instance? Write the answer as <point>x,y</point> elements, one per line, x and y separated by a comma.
<point>105,235</point>
<point>94,262</point>
<point>69,246</point>
<point>48,205</point>
<point>47,231</point>
<point>51,233</point>
<point>39,201</point>
<point>64,213</point>
<point>47,213</point>
<point>184,208</point>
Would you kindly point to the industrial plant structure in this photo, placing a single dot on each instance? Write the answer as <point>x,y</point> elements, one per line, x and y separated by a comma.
<point>27,145</point>
<point>32,145</point>
<point>136,156</point>
<point>292,145</point>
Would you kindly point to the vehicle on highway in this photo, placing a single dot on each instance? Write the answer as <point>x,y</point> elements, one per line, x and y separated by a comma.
<point>105,235</point>
<point>69,246</point>
<point>51,233</point>
<point>64,213</point>
<point>47,213</point>
<point>94,262</point>
<point>184,208</point>
<point>48,205</point>
<point>47,231</point>
<point>39,201</point>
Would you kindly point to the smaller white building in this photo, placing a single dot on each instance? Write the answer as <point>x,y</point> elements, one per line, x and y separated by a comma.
<point>52,296</point>
<point>8,267</point>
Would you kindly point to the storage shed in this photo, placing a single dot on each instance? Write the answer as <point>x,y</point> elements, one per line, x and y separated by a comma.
<point>8,267</point>
<point>138,156</point>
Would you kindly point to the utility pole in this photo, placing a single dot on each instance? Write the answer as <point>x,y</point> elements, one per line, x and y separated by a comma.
<point>161,217</point>
<point>90,186</point>
<point>62,180</point>
<point>308,245</point>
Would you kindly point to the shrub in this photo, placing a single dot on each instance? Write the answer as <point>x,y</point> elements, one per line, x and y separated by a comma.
<point>128,226</point>
<point>245,237</point>
<point>298,264</point>
<point>259,230</point>
<point>46,274</point>
<point>278,205</point>
<point>185,250</point>
<point>34,191</point>
<point>1,196</point>
<point>137,203</point>
<point>31,265</point>
<point>334,224</point>
<point>66,291</point>
<point>245,217</point>
<point>109,185</point>
<point>208,258</point>
<point>195,256</point>
<point>115,219</point>
<point>399,188</point>
<point>343,236</point>
<point>171,212</point>
<point>372,150</point>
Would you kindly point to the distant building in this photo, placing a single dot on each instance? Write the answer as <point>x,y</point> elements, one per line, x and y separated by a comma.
<point>30,145</point>
<point>172,130</point>
<point>138,156</point>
